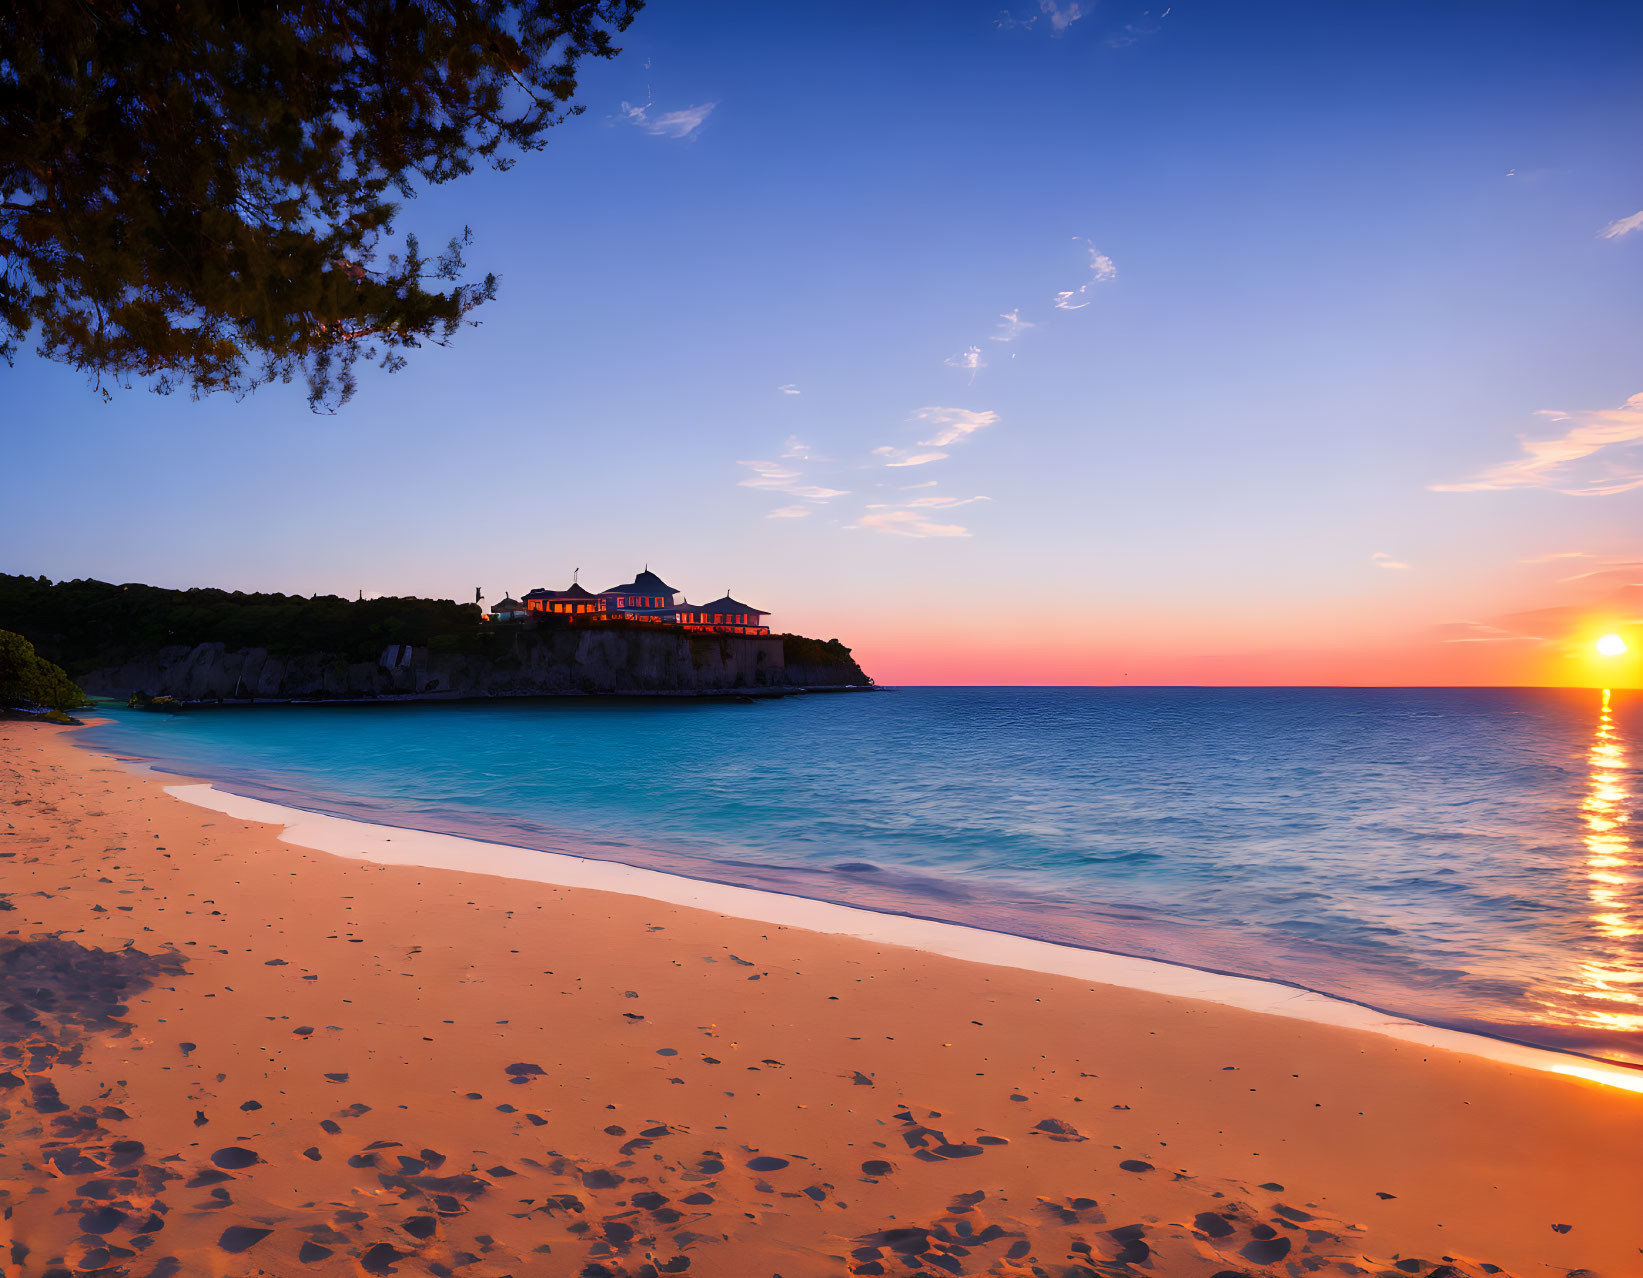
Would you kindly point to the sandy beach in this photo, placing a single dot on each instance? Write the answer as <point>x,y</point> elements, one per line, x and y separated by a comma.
<point>225,1054</point>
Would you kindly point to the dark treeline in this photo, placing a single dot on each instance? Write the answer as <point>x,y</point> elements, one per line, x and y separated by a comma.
<point>89,625</point>
<point>84,625</point>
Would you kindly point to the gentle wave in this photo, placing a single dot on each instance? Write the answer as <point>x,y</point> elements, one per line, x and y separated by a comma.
<point>1457,856</point>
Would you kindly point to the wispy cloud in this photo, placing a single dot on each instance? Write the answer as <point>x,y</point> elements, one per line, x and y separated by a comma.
<point>906,456</point>
<point>915,518</point>
<point>951,424</point>
<point>1606,572</point>
<point>1602,575</point>
<point>1480,632</point>
<point>1594,457</point>
<point>968,359</point>
<point>778,478</point>
<point>909,523</point>
<point>795,449</point>
<point>671,124</point>
<point>931,502</point>
<point>789,512</point>
<point>1622,226</point>
<point>1007,21</point>
<point>789,389</point>
<point>1612,595</point>
<point>943,503</point>
<point>1132,32</point>
<point>1062,16</point>
<point>947,426</point>
<point>1102,269</point>
<point>1011,326</point>
<point>1383,560</point>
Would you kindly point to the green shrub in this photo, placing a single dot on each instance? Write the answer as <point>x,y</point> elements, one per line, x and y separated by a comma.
<point>28,679</point>
<point>815,652</point>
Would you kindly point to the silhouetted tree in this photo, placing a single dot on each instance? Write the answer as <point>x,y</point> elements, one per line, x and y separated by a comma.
<point>28,679</point>
<point>198,194</point>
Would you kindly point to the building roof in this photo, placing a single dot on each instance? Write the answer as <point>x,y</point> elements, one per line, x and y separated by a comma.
<point>575,592</point>
<point>725,607</point>
<point>646,583</point>
<point>507,605</point>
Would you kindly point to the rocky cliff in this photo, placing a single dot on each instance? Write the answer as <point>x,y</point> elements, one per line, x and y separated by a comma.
<point>524,663</point>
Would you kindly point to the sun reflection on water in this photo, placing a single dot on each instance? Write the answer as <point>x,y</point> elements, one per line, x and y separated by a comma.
<point>1609,989</point>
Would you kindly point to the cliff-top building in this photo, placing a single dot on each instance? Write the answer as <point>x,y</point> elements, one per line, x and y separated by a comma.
<point>722,616</point>
<point>575,602</point>
<point>645,594</point>
<point>646,598</point>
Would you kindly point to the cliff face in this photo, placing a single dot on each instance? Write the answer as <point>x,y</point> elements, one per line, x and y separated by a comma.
<point>530,662</point>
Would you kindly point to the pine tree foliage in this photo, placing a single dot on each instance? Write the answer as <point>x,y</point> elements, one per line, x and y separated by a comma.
<point>202,195</point>
<point>27,679</point>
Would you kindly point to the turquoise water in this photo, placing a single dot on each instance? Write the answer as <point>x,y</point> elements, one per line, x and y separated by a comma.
<point>1459,856</point>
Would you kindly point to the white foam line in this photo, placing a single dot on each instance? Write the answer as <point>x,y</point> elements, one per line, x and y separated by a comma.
<point>390,845</point>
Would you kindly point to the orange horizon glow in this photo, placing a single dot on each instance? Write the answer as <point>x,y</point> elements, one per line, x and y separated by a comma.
<point>983,659</point>
<point>1532,623</point>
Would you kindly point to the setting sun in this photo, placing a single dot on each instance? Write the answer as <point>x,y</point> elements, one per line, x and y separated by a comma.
<point>1612,646</point>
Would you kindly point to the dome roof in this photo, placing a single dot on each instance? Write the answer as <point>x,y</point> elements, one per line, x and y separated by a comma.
<point>728,606</point>
<point>575,592</point>
<point>646,583</point>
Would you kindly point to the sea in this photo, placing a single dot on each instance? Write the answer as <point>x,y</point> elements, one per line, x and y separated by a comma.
<point>1462,857</point>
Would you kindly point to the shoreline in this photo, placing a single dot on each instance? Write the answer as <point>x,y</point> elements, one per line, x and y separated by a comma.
<point>367,840</point>
<point>231,1053</point>
<point>764,693</point>
<point>1000,947</point>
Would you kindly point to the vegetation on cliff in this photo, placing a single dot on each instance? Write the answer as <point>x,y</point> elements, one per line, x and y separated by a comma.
<point>84,625</point>
<point>821,654</point>
<point>27,679</point>
<point>88,625</point>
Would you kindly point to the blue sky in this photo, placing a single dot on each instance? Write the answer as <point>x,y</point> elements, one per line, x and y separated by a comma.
<point>1323,267</point>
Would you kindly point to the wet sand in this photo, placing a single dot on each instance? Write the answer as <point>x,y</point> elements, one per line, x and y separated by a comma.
<point>224,1054</point>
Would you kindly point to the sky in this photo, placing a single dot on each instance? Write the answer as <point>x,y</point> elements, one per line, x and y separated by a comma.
<point>1065,343</point>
